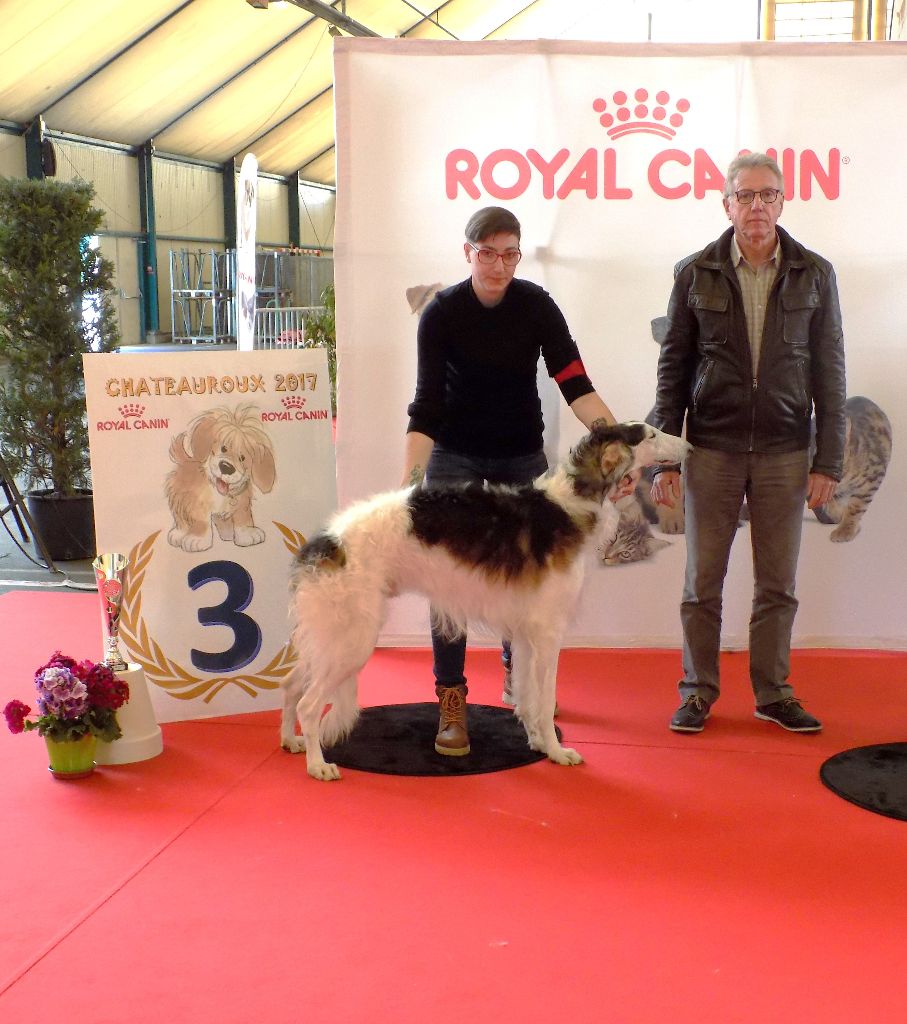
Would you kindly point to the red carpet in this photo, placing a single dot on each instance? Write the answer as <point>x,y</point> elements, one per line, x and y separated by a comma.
<point>708,878</point>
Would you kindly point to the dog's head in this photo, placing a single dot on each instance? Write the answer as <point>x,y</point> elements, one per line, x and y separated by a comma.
<point>234,449</point>
<point>601,459</point>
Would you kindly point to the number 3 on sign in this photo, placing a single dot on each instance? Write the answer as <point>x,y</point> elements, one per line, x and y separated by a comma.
<point>229,613</point>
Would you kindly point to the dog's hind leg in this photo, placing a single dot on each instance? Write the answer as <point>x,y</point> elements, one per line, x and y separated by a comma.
<point>535,663</point>
<point>337,645</point>
<point>308,711</point>
<point>292,691</point>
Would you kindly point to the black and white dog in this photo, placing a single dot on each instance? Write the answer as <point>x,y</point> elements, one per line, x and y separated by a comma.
<point>511,558</point>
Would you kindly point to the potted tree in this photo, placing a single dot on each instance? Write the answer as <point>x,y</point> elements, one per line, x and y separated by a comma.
<point>55,305</point>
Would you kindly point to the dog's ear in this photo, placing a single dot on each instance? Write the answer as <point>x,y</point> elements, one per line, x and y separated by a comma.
<point>178,451</point>
<point>264,471</point>
<point>420,295</point>
<point>200,436</point>
<point>615,456</point>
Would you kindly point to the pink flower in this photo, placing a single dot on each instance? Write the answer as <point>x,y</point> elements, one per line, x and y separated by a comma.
<point>15,713</point>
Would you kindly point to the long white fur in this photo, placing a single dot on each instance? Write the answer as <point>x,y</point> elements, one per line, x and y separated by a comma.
<point>339,612</point>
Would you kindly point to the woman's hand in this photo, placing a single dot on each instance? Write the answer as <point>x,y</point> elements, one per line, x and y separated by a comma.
<point>666,488</point>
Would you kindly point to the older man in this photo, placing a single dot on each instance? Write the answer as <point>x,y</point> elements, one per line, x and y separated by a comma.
<point>753,345</point>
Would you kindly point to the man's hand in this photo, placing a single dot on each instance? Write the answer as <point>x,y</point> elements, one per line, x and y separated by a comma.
<point>820,490</point>
<point>666,488</point>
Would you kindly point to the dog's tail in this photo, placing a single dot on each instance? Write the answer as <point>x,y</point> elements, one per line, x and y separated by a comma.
<point>343,714</point>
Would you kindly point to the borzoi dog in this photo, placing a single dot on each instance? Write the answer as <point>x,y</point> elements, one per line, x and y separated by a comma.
<point>511,558</point>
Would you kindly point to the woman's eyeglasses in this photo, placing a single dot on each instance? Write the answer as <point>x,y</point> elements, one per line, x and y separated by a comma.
<point>510,258</point>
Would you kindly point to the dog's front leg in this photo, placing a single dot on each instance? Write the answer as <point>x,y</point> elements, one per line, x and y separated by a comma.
<point>538,687</point>
<point>245,533</point>
<point>308,711</point>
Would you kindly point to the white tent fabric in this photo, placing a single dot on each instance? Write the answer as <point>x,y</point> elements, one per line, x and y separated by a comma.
<point>213,79</point>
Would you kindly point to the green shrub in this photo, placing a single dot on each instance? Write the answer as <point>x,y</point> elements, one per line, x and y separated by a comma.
<point>55,305</point>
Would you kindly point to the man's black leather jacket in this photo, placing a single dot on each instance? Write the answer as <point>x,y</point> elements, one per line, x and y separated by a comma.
<point>705,370</point>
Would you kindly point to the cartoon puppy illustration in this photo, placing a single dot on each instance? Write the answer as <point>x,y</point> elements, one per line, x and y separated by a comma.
<point>222,454</point>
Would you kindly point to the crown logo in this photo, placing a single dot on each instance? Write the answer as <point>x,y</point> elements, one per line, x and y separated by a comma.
<point>292,402</point>
<point>623,115</point>
<point>132,409</point>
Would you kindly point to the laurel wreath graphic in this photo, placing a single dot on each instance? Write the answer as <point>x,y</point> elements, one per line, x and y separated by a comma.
<point>162,670</point>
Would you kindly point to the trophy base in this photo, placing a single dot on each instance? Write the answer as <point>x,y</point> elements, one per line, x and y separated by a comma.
<point>142,738</point>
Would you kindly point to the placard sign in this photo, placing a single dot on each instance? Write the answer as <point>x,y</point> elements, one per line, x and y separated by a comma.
<point>209,471</point>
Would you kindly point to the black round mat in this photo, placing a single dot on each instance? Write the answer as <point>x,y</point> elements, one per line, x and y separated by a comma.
<point>399,739</point>
<point>871,777</point>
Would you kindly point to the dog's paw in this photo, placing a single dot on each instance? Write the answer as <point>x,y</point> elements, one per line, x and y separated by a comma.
<point>189,541</point>
<point>324,772</point>
<point>248,536</point>
<point>295,744</point>
<point>565,755</point>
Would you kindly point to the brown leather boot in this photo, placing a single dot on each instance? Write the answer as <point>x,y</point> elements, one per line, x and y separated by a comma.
<point>452,738</point>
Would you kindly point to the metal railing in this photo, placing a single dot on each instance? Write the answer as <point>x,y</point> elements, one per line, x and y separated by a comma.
<point>283,328</point>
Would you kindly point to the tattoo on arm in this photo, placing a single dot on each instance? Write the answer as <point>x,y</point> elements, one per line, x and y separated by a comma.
<point>416,475</point>
<point>600,422</point>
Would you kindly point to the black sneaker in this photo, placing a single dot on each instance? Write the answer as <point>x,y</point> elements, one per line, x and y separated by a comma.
<point>789,714</point>
<point>691,715</point>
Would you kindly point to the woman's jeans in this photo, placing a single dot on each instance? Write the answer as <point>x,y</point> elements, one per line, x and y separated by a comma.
<point>447,468</point>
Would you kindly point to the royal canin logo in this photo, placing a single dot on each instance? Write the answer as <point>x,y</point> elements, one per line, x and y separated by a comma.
<point>616,117</point>
<point>507,174</point>
<point>132,417</point>
<point>293,409</point>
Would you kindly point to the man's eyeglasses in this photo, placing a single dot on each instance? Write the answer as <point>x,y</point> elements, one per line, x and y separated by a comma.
<point>510,258</point>
<point>747,195</point>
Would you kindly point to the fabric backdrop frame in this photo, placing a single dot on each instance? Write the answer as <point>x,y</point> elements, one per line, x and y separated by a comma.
<point>613,157</point>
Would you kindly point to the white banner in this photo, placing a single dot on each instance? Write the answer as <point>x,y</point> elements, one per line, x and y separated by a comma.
<point>613,157</point>
<point>246,219</point>
<point>209,471</point>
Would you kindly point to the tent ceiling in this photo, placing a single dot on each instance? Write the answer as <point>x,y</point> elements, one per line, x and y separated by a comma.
<point>212,79</point>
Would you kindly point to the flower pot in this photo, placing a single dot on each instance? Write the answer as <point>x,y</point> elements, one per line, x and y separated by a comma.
<point>72,759</point>
<point>66,524</point>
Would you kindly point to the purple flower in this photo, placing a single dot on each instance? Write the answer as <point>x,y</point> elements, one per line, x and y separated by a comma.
<point>61,693</point>
<point>15,713</point>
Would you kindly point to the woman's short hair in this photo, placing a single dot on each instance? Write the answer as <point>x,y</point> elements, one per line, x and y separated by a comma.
<point>491,220</point>
<point>748,162</point>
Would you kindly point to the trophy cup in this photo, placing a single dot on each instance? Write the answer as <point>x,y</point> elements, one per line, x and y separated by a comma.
<point>110,570</point>
<point>141,735</point>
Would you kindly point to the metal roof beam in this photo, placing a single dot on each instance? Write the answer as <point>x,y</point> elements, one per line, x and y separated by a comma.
<point>326,13</point>
<point>431,18</point>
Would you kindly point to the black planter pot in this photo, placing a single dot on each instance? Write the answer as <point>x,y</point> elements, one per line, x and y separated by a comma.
<point>66,524</point>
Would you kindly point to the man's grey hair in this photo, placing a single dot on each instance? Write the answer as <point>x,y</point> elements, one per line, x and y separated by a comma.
<point>747,162</point>
<point>491,220</point>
